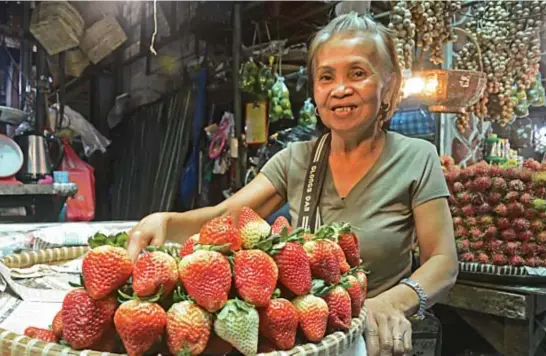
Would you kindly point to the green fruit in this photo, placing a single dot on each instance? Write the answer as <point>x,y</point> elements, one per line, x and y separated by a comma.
<point>287,113</point>
<point>521,110</point>
<point>521,95</point>
<point>285,103</point>
<point>238,324</point>
<point>277,110</point>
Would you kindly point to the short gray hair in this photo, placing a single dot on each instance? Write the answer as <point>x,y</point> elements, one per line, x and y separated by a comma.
<point>354,23</point>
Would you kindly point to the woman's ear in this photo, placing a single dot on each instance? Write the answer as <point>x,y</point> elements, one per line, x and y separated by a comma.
<point>388,88</point>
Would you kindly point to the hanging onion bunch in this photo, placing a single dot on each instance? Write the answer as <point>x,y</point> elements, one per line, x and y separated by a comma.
<point>433,20</point>
<point>404,30</point>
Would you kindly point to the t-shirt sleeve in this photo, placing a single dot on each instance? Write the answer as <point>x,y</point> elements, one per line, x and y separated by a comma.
<point>430,183</point>
<point>276,170</point>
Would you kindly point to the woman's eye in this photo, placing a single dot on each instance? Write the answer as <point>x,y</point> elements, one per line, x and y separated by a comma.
<point>325,77</point>
<point>359,74</point>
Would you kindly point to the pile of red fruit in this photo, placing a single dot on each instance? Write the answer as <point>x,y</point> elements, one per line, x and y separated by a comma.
<point>247,286</point>
<point>499,215</point>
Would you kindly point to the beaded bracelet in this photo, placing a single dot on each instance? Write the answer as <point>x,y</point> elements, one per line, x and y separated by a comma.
<point>420,315</point>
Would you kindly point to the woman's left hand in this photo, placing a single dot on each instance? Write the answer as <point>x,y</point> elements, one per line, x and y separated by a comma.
<point>388,331</point>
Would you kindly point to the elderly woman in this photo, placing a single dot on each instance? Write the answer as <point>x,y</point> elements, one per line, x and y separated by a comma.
<point>390,187</point>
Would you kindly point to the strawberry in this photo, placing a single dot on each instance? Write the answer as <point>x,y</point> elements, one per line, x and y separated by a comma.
<point>105,269</point>
<point>279,224</point>
<point>189,246</point>
<point>339,309</point>
<point>294,268</point>
<point>153,270</point>
<point>238,324</point>
<point>139,325</point>
<point>85,319</point>
<point>206,276</point>
<point>188,328</point>
<point>353,288</point>
<point>343,265</point>
<point>220,231</point>
<point>323,260</point>
<point>265,346</point>
<point>217,346</point>
<point>349,243</point>
<point>279,323</point>
<point>40,334</point>
<point>255,274</point>
<point>253,228</point>
<point>108,342</point>
<point>312,315</point>
<point>363,281</point>
<point>57,324</point>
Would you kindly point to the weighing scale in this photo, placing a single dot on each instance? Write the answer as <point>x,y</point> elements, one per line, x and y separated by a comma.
<point>11,156</point>
<point>11,160</point>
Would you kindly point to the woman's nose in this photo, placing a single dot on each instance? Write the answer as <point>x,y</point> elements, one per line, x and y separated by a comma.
<point>341,90</point>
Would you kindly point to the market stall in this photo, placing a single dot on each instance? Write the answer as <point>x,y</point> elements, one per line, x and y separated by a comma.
<point>171,106</point>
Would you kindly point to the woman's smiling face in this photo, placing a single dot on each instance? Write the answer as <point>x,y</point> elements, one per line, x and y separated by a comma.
<point>348,84</point>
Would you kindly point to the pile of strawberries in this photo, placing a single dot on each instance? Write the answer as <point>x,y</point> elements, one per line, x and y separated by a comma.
<point>499,214</point>
<point>245,286</point>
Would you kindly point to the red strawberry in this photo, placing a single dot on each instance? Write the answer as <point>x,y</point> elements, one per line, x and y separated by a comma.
<point>467,257</point>
<point>220,231</point>
<point>353,288</point>
<point>349,243</point>
<point>255,274</point>
<point>294,269</point>
<point>40,334</point>
<point>105,269</point>
<point>363,281</point>
<point>57,324</point>
<point>499,259</point>
<point>323,260</point>
<point>279,323</point>
<point>217,346</point>
<point>265,346</point>
<point>312,315</point>
<point>188,328</point>
<point>279,224</point>
<point>153,270</point>
<point>189,246</point>
<point>339,309</point>
<point>108,342</point>
<point>206,276</point>
<point>139,325</point>
<point>343,265</point>
<point>503,223</point>
<point>483,258</point>
<point>253,228</point>
<point>85,319</point>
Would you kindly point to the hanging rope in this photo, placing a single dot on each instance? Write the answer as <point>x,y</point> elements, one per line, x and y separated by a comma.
<point>152,49</point>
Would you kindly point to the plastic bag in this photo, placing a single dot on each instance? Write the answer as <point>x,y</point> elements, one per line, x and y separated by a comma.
<point>279,104</point>
<point>308,118</point>
<point>80,207</point>
<point>92,139</point>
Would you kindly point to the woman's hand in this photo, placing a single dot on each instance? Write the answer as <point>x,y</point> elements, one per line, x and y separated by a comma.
<point>152,230</point>
<point>388,331</point>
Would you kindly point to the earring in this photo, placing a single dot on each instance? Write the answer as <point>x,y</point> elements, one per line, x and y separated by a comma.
<point>316,112</point>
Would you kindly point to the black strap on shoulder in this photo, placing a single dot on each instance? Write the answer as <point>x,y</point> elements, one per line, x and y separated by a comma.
<point>314,181</point>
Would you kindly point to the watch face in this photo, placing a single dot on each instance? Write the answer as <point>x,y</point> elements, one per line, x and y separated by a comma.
<point>11,158</point>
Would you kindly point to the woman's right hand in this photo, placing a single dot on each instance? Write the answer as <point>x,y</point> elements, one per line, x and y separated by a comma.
<point>150,231</point>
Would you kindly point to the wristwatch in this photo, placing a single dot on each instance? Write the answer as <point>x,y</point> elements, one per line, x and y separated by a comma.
<point>420,314</point>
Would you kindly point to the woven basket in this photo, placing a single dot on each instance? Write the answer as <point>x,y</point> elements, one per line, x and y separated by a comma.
<point>102,38</point>
<point>15,345</point>
<point>57,25</point>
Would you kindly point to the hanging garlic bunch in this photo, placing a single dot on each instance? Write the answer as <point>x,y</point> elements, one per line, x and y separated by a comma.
<point>404,30</point>
<point>433,20</point>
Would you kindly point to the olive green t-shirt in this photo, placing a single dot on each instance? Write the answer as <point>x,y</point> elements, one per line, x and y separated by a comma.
<point>407,173</point>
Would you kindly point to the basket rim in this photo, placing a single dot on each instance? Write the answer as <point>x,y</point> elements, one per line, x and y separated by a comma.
<point>11,342</point>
